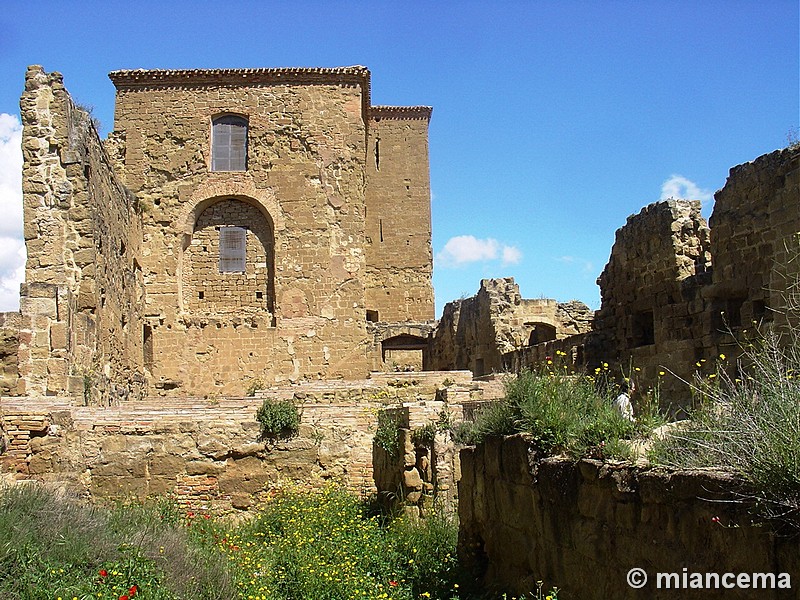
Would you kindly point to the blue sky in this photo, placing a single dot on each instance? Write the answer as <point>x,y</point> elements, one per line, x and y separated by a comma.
<point>553,120</point>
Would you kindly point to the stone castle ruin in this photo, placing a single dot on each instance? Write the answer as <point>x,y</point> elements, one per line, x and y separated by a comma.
<point>255,225</point>
<point>257,235</point>
<point>677,293</point>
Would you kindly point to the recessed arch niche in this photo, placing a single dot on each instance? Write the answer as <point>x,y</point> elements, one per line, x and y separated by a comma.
<point>209,288</point>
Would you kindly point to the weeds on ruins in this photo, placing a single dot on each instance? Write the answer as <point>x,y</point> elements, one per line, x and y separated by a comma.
<point>278,418</point>
<point>749,424</point>
<point>566,413</point>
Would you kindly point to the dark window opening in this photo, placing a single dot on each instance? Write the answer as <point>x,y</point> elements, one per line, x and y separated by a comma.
<point>479,367</point>
<point>644,332</point>
<point>761,311</point>
<point>201,295</point>
<point>728,314</point>
<point>259,295</point>
<point>229,144</point>
<point>378,155</point>
<point>372,316</point>
<point>380,227</point>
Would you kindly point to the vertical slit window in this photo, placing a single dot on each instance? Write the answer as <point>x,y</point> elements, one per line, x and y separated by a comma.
<point>229,144</point>
<point>232,249</point>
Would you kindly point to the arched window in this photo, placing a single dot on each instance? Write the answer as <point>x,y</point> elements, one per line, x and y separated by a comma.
<point>229,143</point>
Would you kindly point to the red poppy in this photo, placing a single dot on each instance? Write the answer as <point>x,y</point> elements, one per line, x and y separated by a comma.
<point>124,598</point>
<point>103,573</point>
<point>132,591</point>
<point>393,583</point>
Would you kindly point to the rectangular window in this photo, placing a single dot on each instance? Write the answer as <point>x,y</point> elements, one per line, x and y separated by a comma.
<point>232,249</point>
<point>229,144</point>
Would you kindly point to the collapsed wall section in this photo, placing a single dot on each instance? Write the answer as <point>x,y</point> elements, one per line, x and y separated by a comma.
<point>755,224</point>
<point>81,302</point>
<point>653,316</point>
<point>476,333</point>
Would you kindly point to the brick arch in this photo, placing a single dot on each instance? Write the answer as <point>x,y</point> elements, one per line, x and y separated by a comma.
<point>204,289</point>
<point>236,185</point>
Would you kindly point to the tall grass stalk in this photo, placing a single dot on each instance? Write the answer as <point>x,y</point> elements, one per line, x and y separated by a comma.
<point>750,425</point>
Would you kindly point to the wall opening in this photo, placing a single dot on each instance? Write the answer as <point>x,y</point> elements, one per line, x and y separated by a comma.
<point>541,332</point>
<point>643,329</point>
<point>404,352</point>
<point>147,347</point>
<point>229,261</point>
<point>372,316</point>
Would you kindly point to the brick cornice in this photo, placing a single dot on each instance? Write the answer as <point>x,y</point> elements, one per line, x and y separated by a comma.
<point>142,79</point>
<point>401,112</point>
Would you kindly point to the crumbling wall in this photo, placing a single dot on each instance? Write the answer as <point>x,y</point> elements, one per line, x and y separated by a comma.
<point>583,526</point>
<point>209,452</point>
<point>475,333</point>
<point>653,316</point>
<point>754,242</point>
<point>9,350</point>
<point>81,302</point>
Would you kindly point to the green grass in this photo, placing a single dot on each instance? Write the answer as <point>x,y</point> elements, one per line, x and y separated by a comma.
<point>563,413</point>
<point>325,544</point>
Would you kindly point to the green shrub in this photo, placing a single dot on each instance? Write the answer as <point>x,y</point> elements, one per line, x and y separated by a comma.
<point>424,435</point>
<point>563,414</point>
<point>278,418</point>
<point>387,435</point>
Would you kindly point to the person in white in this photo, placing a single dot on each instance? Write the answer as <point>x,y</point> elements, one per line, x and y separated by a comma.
<point>622,403</point>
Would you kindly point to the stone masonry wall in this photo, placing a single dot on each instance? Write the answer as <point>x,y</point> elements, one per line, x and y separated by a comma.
<point>475,333</point>
<point>207,452</point>
<point>305,176</point>
<point>582,526</point>
<point>653,316</point>
<point>81,303</point>
<point>9,349</point>
<point>398,215</point>
<point>754,241</point>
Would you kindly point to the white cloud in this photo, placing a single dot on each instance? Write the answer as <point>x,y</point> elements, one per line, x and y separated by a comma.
<point>586,266</point>
<point>677,186</point>
<point>511,255</point>
<point>12,246</point>
<point>464,249</point>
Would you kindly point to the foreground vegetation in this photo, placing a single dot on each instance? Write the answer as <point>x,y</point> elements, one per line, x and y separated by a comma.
<point>748,423</point>
<point>322,545</point>
<point>565,413</point>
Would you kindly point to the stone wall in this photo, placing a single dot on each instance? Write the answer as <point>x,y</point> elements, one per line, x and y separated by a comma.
<point>653,316</point>
<point>304,184</point>
<point>582,526</point>
<point>81,325</point>
<point>9,349</point>
<point>124,291</point>
<point>678,295</point>
<point>398,215</point>
<point>475,333</point>
<point>754,241</point>
<point>208,452</point>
